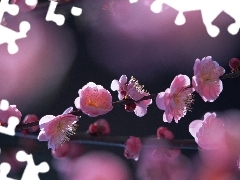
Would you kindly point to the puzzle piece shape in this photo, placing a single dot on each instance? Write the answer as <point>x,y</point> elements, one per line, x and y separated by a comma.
<point>58,18</point>
<point>4,105</point>
<point>4,170</point>
<point>31,170</point>
<point>9,36</point>
<point>51,16</point>
<point>10,129</point>
<point>12,9</point>
<point>209,10</point>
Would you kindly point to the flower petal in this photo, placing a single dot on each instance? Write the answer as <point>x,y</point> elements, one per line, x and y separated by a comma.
<point>123,79</point>
<point>194,127</point>
<point>160,100</point>
<point>141,109</point>
<point>115,85</point>
<point>42,136</point>
<point>45,120</point>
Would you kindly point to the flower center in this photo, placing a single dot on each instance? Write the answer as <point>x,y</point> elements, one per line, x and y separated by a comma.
<point>176,99</point>
<point>59,127</point>
<point>66,132</point>
<point>184,99</point>
<point>92,103</point>
<point>207,77</point>
<point>99,103</point>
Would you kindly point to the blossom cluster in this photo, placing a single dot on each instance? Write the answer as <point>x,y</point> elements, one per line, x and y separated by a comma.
<point>94,100</point>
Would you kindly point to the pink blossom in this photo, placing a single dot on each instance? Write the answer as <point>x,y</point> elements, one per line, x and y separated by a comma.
<point>56,130</point>
<point>94,100</point>
<point>176,100</point>
<point>6,114</point>
<point>100,127</point>
<point>128,90</point>
<point>121,86</point>
<point>208,133</point>
<point>133,147</point>
<point>31,118</point>
<point>206,78</point>
<point>132,90</point>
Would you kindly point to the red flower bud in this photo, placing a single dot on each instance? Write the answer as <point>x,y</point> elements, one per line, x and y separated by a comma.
<point>234,64</point>
<point>130,107</point>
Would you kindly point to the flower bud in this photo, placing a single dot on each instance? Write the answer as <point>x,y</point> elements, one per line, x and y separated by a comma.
<point>130,107</point>
<point>133,147</point>
<point>163,132</point>
<point>234,64</point>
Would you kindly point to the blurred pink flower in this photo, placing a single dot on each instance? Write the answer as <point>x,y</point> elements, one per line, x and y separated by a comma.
<point>133,147</point>
<point>208,133</point>
<point>94,100</point>
<point>100,127</point>
<point>158,160</point>
<point>11,111</point>
<point>164,132</point>
<point>206,78</point>
<point>56,130</point>
<point>176,100</point>
<point>132,90</point>
<point>95,165</point>
<point>61,151</point>
<point>31,118</point>
<point>238,163</point>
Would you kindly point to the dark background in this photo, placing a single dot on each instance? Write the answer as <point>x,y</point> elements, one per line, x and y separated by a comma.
<point>112,38</point>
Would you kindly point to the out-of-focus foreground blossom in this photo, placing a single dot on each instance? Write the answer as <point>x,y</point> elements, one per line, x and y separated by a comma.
<point>61,150</point>
<point>133,147</point>
<point>57,129</point>
<point>206,78</point>
<point>219,140</point>
<point>8,112</point>
<point>69,149</point>
<point>131,90</point>
<point>159,161</point>
<point>93,166</point>
<point>100,127</point>
<point>176,100</point>
<point>208,133</point>
<point>94,100</point>
<point>31,118</point>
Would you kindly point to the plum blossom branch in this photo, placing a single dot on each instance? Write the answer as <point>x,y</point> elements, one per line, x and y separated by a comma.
<point>118,141</point>
<point>230,75</point>
<point>122,102</point>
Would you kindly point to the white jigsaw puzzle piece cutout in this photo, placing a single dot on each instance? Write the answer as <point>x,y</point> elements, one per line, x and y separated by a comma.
<point>4,170</point>
<point>10,129</point>
<point>8,35</point>
<point>210,10</point>
<point>51,16</point>
<point>12,9</point>
<point>31,170</point>
<point>12,121</point>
